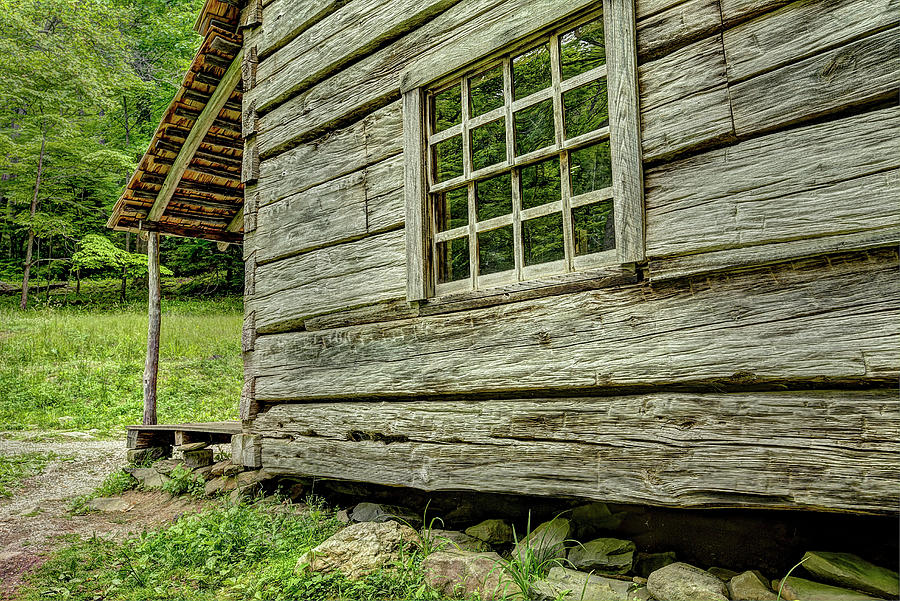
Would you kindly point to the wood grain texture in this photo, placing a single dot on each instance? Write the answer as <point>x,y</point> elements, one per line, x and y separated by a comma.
<point>685,450</point>
<point>688,124</point>
<point>337,277</point>
<point>685,72</point>
<point>678,26</point>
<point>355,30</point>
<point>283,20</point>
<point>767,189</point>
<point>735,11</point>
<point>819,319</point>
<point>850,75</point>
<point>801,29</point>
<point>419,283</point>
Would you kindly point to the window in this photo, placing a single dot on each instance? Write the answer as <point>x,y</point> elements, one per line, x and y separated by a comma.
<point>517,170</point>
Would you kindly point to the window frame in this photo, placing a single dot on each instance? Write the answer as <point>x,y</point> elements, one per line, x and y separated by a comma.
<point>622,132</point>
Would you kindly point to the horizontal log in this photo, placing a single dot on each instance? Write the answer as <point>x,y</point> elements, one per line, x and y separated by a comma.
<point>329,279</point>
<point>695,68</point>
<point>283,20</point>
<point>767,189</point>
<point>863,71</point>
<point>676,27</point>
<point>735,11</point>
<point>820,319</point>
<point>670,449</point>
<point>688,124</point>
<point>802,29</point>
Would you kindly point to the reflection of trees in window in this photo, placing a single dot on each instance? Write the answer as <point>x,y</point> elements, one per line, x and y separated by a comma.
<point>448,159</point>
<point>488,144</point>
<point>486,91</point>
<point>531,72</point>
<point>495,250</point>
<point>534,127</point>
<point>447,108</point>
<point>452,260</point>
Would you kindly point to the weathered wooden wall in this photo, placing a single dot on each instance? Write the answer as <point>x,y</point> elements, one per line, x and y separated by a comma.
<point>772,178</point>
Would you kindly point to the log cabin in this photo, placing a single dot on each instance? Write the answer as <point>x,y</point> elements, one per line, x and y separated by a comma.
<point>634,251</point>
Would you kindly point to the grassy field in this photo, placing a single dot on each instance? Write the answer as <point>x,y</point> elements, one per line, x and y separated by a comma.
<point>80,367</point>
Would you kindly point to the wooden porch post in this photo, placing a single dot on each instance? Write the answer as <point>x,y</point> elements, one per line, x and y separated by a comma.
<point>151,367</point>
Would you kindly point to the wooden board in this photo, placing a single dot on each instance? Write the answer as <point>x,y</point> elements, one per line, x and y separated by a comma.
<point>283,20</point>
<point>822,320</point>
<point>689,124</point>
<point>676,27</point>
<point>674,449</point>
<point>686,72</point>
<point>767,189</point>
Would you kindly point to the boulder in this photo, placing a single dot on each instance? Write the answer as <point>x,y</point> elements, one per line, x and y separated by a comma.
<point>750,586</point>
<point>343,516</point>
<point>800,589</point>
<point>108,504</point>
<point>203,472</point>
<point>376,512</point>
<point>723,574</point>
<point>198,458</point>
<point>852,571</point>
<point>647,563</point>
<point>493,532</point>
<point>593,518</point>
<point>359,549</point>
<point>640,593</point>
<point>571,585</point>
<point>218,469</point>
<point>682,582</point>
<point>232,469</point>
<point>604,556</point>
<point>447,540</point>
<point>547,540</point>
<point>166,466</point>
<point>148,477</point>
<point>147,455</point>
<point>464,573</point>
<point>219,485</point>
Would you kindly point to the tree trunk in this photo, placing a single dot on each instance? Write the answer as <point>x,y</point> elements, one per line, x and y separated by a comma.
<point>124,269</point>
<point>78,281</point>
<point>34,201</point>
<point>154,316</point>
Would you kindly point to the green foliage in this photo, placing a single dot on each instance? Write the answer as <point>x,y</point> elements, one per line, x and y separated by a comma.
<point>15,468</point>
<point>115,484</point>
<point>97,253</point>
<point>531,562</point>
<point>184,482</point>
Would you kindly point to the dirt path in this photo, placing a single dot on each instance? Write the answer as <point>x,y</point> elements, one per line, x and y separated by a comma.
<point>33,519</point>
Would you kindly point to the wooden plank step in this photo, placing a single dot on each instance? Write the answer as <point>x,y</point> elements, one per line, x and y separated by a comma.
<point>162,435</point>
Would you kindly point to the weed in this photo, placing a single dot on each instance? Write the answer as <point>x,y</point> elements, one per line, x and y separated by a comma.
<point>183,481</point>
<point>531,562</point>
<point>788,575</point>
<point>15,468</point>
<point>115,484</point>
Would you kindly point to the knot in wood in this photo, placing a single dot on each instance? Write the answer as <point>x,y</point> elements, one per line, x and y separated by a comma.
<point>543,337</point>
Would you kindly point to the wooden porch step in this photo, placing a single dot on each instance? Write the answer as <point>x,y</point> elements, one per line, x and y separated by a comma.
<point>162,435</point>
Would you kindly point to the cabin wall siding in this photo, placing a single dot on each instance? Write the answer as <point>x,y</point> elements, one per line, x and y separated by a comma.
<point>767,139</point>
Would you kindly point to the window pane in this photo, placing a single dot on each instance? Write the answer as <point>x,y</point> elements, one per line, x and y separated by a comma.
<point>582,49</point>
<point>534,127</point>
<point>540,183</point>
<point>488,144</point>
<point>447,108</point>
<point>448,157</point>
<point>453,260</point>
<point>495,250</point>
<point>594,228</point>
<point>590,168</point>
<point>493,197</point>
<point>586,108</point>
<point>542,239</point>
<point>452,209</point>
<point>531,71</point>
<point>486,91</point>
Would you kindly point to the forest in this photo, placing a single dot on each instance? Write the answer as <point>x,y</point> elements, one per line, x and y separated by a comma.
<point>82,89</point>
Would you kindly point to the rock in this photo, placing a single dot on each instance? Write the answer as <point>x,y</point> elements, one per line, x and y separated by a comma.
<point>750,586</point>
<point>604,556</point>
<point>376,512</point>
<point>641,593</point>
<point>447,540</point>
<point>219,485</point>
<point>108,504</point>
<point>218,469</point>
<point>723,574</point>
<point>198,458</point>
<point>147,455</point>
<point>852,571</point>
<point>203,472</point>
<point>594,518</point>
<point>682,582</point>
<point>547,540</point>
<point>800,589</point>
<point>232,470</point>
<point>493,532</point>
<point>166,466</point>
<point>192,446</point>
<point>148,477</point>
<point>592,587</point>
<point>647,563</point>
<point>465,573</point>
<point>359,549</point>
<point>249,483</point>
<point>343,516</point>
<point>639,580</point>
<point>296,492</point>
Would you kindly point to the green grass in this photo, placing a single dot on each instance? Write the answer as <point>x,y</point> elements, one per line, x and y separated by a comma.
<point>15,468</point>
<point>233,552</point>
<point>79,368</point>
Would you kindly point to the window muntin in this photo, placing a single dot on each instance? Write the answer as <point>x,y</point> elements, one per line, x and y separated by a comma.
<point>530,148</point>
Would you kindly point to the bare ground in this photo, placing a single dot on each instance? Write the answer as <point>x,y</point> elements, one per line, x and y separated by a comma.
<point>34,519</point>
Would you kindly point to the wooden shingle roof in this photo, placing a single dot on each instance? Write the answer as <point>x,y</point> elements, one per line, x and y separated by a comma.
<point>188,183</point>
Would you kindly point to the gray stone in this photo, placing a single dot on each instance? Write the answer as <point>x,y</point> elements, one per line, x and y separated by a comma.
<point>198,458</point>
<point>218,469</point>
<point>203,472</point>
<point>723,574</point>
<point>464,574</point>
<point>192,446</point>
<point>376,512</point>
<point>493,532</point>
<point>148,477</point>
<point>359,549</point>
<point>852,571</point>
<point>641,593</point>
<point>647,563</point>
<point>750,586</point>
<point>447,540</point>
<point>343,516</point>
<point>146,455</point>
<point>547,540</point>
<point>232,470</point>
<point>219,485</point>
<point>593,518</point>
<point>166,466</point>
<point>800,589</point>
<point>108,504</point>
<point>571,585</point>
<point>604,556</point>
<point>682,582</point>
